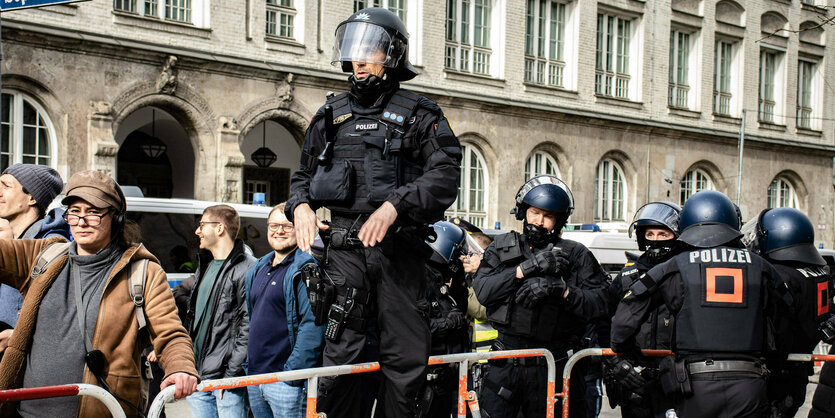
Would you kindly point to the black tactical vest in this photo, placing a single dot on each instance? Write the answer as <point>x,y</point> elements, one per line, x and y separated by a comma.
<point>368,161</point>
<point>723,303</point>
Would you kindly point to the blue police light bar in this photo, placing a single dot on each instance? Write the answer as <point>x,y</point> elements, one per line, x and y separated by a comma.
<point>581,227</point>
<point>8,5</point>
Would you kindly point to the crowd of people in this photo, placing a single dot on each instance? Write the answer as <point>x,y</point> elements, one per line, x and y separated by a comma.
<point>394,283</point>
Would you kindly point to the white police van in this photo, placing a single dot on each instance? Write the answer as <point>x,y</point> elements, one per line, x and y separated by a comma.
<point>168,226</point>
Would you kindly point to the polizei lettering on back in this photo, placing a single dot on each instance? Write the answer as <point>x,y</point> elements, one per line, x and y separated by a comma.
<point>720,255</point>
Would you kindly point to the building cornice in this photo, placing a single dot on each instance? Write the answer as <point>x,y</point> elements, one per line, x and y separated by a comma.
<point>499,104</point>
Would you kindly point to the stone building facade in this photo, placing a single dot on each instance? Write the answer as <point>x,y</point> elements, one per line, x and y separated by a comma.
<point>628,101</point>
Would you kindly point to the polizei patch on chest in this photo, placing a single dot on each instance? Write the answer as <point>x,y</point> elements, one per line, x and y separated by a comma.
<point>369,126</point>
<point>720,255</point>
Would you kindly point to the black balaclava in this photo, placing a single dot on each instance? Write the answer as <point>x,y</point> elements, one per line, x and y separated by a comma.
<point>538,236</point>
<point>660,251</point>
<point>371,91</point>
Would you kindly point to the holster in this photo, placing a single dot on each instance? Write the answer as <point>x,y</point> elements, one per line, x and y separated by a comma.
<point>674,377</point>
<point>320,292</point>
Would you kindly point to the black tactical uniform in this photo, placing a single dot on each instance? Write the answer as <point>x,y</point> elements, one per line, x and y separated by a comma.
<point>725,300</point>
<point>390,145</point>
<point>785,237</point>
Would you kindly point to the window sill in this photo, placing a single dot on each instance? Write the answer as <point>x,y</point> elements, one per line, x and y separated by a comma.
<point>275,43</point>
<point>63,9</point>
<point>618,102</point>
<point>550,90</point>
<point>474,78</point>
<point>809,132</point>
<point>788,2</point>
<point>156,24</point>
<point>813,8</point>
<point>727,119</point>
<point>687,113</point>
<point>772,126</point>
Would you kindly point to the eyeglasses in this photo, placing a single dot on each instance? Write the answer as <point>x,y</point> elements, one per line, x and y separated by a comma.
<point>90,220</point>
<point>274,227</point>
<point>201,224</point>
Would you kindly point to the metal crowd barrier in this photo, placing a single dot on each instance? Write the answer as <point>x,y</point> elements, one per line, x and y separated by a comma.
<point>79,389</point>
<point>312,376</point>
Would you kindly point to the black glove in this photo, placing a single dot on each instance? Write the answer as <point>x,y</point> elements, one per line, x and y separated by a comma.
<point>455,319</point>
<point>548,261</point>
<point>827,330</point>
<point>535,289</point>
<point>624,373</point>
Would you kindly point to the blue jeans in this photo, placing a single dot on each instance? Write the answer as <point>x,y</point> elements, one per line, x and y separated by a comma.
<point>277,400</point>
<point>210,405</point>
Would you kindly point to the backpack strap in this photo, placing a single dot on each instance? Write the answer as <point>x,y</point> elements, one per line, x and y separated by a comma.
<point>138,271</point>
<point>47,256</point>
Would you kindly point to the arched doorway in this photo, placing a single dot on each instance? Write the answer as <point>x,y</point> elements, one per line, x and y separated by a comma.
<point>155,154</point>
<point>274,180</point>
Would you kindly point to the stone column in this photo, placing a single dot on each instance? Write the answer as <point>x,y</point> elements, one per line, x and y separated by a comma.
<point>232,162</point>
<point>102,147</point>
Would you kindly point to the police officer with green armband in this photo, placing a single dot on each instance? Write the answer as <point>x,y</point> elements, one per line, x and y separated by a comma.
<point>540,291</point>
<point>385,162</point>
<point>725,300</point>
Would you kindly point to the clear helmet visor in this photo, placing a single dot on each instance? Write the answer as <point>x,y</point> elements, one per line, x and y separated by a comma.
<point>750,232</point>
<point>544,179</point>
<point>656,212</point>
<point>362,42</point>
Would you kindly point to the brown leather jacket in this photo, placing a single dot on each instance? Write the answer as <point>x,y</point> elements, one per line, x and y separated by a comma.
<point>116,334</point>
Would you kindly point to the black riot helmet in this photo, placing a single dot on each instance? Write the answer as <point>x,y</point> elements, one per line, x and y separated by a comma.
<point>782,234</point>
<point>449,243</point>
<point>545,192</point>
<point>374,35</point>
<point>708,219</point>
<point>654,215</point>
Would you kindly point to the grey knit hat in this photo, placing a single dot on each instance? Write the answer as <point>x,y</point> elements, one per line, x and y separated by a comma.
<point>42,182</point>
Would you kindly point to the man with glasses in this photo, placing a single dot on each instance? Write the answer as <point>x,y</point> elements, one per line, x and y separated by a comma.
<point>282,332</point>
<point>216,317</point>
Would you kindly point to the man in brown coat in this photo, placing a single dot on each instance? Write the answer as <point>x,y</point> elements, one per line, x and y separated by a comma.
<point>51,342</point>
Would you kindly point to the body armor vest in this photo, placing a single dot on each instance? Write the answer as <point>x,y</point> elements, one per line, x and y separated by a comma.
<point>723,302</point>
<point>368,155</point>
<point>547,320</point>
<point>812,286</point>
<point>656,332</point>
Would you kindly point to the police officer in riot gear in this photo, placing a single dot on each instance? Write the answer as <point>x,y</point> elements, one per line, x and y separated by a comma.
<point>724,299</point>
<point>540,291</point>
<point>446,294</point>
<point>655,227</point>
<point>785,237</point>
<point>386,163</point>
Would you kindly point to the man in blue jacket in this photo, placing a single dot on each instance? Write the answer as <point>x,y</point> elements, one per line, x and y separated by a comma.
<point>282,332</point>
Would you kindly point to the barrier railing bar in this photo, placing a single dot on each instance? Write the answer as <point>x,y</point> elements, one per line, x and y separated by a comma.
<point>58,391</point>
<point>167,394</point>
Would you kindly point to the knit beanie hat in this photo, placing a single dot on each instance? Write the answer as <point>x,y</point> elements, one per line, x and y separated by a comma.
<point>41,182</point>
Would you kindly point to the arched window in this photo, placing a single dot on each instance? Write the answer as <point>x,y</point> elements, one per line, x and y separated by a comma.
<point>692,182</point>
<point>609,192</point>
<point>472,188</point>
<point>27,134</point>
<point>781,194</point>
<point>541,163</point>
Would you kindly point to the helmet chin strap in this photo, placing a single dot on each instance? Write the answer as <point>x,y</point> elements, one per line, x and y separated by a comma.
<point>371,89</point>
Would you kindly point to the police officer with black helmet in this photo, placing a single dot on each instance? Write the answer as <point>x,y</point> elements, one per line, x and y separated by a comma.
<point>540,291</point>
<point>446,294</point>
<point>655,227</point>
<point>386,163</point>
<point>724,299</point>
<point>785,237</point>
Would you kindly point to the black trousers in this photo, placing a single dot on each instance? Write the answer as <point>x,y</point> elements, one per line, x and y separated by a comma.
<point>724,395</point>
<point>525,389</point>
<point>787,387</point>
<point>393,272</point>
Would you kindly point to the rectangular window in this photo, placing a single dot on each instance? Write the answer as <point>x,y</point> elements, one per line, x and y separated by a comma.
<point>397,6</point>
<point>805,72</point>
<point>280,16</point>
<point>545,42</point>
<point>679,56</point>
<point>612,76</point>
<point>151,8</point>
<point>468,36</point>
<point>125,5</point>
<point>722,79</point>
<point>179,10</point>
<point>768,69</point>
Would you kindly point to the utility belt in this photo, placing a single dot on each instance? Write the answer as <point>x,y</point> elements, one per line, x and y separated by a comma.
<point>722,366</point>
<point>676,374</point>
